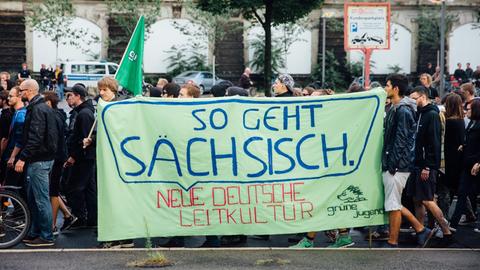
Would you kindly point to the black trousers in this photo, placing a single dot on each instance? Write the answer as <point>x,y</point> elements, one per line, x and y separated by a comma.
<point>81,191</point>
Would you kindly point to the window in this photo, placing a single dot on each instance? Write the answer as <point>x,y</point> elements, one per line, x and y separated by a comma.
<point>78,69</point>
<point>112,69</point>
<point>95,69</point>
<point>207,75</point>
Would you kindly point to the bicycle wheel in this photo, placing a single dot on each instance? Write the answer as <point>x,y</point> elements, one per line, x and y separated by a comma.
<point>14,219</point>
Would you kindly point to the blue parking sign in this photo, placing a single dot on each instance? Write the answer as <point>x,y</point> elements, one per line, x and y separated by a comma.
<point>353,27</point>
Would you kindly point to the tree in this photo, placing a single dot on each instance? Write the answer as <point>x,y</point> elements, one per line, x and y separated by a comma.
<point>267,13</point>
<point>126,14</point>
<point>54,18</point>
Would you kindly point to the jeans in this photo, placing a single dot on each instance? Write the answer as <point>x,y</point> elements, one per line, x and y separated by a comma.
<point>467,188</point>
<point>37,183</point>
<point>60,91</point>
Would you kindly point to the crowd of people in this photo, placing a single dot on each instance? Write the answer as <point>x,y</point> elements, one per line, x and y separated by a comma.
<point>431,151</point>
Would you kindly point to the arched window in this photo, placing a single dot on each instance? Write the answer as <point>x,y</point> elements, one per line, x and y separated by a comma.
<point>164,35</point>
<point>463,46</point>
<point>88,47</point>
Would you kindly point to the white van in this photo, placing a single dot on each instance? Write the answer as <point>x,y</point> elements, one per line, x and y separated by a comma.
<point>88,73</point>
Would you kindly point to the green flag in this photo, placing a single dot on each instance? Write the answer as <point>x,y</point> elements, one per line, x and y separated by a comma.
<point>129,75</point>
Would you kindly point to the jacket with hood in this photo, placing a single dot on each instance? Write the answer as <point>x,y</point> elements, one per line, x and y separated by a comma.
<point>471,149</point>
<point>428,142</point>
<point>399,137</point>
<point>83,123</point>
<point>61,118</point>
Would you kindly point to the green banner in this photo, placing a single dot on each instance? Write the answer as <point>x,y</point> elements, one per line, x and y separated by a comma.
<point>239,165</point>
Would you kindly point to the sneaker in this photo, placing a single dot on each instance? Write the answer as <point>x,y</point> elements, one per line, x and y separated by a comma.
<point>467,220</point>
<point>424,236</point>
<point>477,230</point>
<point>126,243</point>
<point>68,222</point>
<point>343,241</point>
<point>28,239</point>
<point>378,236</point>
<point>109,245</point>
<point>55,231</point>
<point>39,242</point>
<point>304,243</point>
<point>331,235</point>
<point>407,230</point>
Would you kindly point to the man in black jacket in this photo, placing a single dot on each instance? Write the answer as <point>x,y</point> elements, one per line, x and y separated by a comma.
<point>40,144</point>
<point>81,187</point>
<point>397,158</point>
<point>428,147</point>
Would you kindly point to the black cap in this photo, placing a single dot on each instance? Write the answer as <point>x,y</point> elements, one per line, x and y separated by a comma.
<point>78,88</point>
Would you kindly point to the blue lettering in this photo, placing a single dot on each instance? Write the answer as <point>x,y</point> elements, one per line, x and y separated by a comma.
<point>299,157</point>
<point>225,118</point>
<point>155,158</point>
<point>312,112</point>
<point>248,153</point>
<point>270,156</point>
<point>189,157</point>
<point>326,149</point>
<point>216,156</point>
<point>281,153</point>
<point>286,116</point>
<point>267,117</point>
<point>245,122</point>
<point>134,158</point>
<point>194,114</point>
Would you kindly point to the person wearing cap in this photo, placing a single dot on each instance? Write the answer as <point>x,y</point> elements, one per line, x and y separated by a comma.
<point>283,86</point>
<point>80,186</point>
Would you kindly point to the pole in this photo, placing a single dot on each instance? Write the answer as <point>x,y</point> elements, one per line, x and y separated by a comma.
<point>366,79</point>
<point>323,50</point>
<point>442,51</point>
<point>213,69</point>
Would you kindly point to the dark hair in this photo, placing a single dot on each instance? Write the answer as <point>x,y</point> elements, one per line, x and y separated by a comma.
<point>155,92</point>
<point>171,89</point>
<point>219,89</point>
<point>421,90</point>
<point>400,81</point>
<point>475,107</point>
<point>52,97</point>
<point>355,87</point>
<point>4,95</point>
<point>453,106</point>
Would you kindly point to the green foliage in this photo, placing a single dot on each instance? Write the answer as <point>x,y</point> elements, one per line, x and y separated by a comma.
<point>258,62</point>
<point>186,57</point>
<point>394,68</point>
<point>54,18</point>
<point>429,26</point>
<point>127,12</point>
<point>355,69</point>
<point>333,77</point>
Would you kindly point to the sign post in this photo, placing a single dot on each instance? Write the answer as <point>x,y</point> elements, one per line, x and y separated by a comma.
<point>367,28</point>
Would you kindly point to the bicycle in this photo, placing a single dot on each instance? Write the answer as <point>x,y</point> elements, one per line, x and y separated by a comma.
<point>14,217</point>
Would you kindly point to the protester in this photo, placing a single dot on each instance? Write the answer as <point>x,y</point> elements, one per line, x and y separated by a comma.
<point>245,82</point>
<point>36,158</point>
<point>454,136</point>
<point>5,83</point>
<point>44,77</point>
<point>423,179</point>
<point>14,140</point>
<point>189,90</point>
<point>155,92</point>
<point>471,162</point>
<point>161,83</point>
<point>283,86</point>
<point>468,72</point>
<point>81,190</point>
<point>51,99</point>
<point>59,81</point>
<point>460,74</point>
<point>398,158</point>
<point>426,81</point>
<point>24,73</point>
<point>171,90</point>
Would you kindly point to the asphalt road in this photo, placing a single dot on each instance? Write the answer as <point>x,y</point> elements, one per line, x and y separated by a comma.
<point>249,259</point>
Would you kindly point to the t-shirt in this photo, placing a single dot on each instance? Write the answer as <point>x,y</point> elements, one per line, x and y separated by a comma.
<point>16,132</point>
<point>24,73</point>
